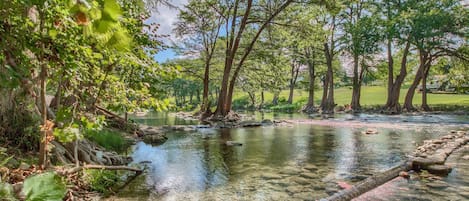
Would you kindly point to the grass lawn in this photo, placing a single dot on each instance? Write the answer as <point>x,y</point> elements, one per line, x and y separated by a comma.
<point>370,95</point>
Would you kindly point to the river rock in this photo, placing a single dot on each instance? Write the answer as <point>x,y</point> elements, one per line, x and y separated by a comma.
<point>290,171</point>
<point>308,175</point>
<point>155,138</point>
<point>250,124</point>
<point>294,189</point>
<point>301,180</point>
<point>233,143</point>
<point>439,169</point>
<point>24,166</point>
<point>466,157</point>
<point>267,122</point>
<point>311,167</point>
<point>438,185</point>
<point>419,163</point>
<point>270,176</point>
<point>404,174</point>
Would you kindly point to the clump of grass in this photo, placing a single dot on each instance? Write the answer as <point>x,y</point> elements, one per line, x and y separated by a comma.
<point>109,139</point>
<point>101,180</point>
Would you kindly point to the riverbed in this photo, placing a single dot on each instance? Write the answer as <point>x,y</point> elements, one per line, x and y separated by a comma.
<point>304,160</point>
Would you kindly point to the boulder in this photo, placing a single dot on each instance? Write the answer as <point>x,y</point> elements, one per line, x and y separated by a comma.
<point>155,138</point>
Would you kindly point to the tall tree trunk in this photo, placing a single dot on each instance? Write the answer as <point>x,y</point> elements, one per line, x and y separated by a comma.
<point>408,105</point>
<point>389,101</point>
<point>294,76</point>
<point>261,105</point>
<point>392,104</point>
<point>355,104</point>
<point>309,107</point>
<point>425,106</point>
<point>204,105</point>
<point>327,104</point>
<point>43,139</point>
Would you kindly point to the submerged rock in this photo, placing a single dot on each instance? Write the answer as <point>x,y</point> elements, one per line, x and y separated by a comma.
<point>233,143</point>
<point>270,176</point>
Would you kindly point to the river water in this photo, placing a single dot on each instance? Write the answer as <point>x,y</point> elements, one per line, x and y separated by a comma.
<point>300,161</point>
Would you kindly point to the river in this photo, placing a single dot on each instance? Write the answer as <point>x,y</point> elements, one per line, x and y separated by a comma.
<point>300,161</point>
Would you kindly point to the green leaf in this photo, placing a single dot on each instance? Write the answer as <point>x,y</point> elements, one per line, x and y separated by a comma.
<point>47,186</point>
<point>111,10</point>
<point>53,33</point>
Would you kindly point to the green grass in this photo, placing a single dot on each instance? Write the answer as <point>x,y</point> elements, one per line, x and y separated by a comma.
<point>370,96</point>
<point>110,140</point>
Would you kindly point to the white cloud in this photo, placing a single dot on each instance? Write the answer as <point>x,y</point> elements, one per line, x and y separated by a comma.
<point>166,17</point>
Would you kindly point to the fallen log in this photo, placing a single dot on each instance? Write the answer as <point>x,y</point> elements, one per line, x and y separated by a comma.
<point>102,167</point>
<point>369,183</point>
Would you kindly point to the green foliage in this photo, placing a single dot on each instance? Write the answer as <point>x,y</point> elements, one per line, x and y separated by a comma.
<point>6,192</point>
<point>101,180</point>
<point>46,186</point>
<point>111,140</point>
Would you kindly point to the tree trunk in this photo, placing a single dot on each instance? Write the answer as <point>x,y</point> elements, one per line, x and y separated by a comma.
<point>43,139</point>
<point>411,91</point>
<point>252,96</point>
<point>408,103</point>
<point>355,104</point>
<point>261,105</point>
<point>204,104</point>
<point>309,107</point>
<point>389,101</point>
<point>392,104</point>
<point>275,98</point>
<point>327,105</point>
<point>425,106</point>
<point>294,76</point>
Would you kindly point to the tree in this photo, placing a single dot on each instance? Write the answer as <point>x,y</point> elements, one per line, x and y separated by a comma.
<point>361,39</point>
<point>200,23</point>
<point>438,27</point>
<point>237,16</point>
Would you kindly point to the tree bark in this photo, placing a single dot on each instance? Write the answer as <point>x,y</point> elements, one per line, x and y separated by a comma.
<point>425,106</point>
<point>294,76</point>
<point>309,107</point>
<point>327,104</point>
<point>227,88</point>
<point>423,57</point>
<point>369,183</point>
<point>43,139</point>
<point>392,103</point>
<point>355,104</point>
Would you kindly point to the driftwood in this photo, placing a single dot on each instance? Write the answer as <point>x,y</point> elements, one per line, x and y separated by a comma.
<point>102,167</point>
<point>369,183</point>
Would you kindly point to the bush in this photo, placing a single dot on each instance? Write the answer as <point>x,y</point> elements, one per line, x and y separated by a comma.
<point>241,103</point>
<point>101,180</point>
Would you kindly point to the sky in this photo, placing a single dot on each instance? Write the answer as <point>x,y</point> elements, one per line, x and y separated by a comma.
<point>166,17</point>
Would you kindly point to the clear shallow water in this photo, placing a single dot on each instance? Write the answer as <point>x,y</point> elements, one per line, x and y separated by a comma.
<point>301,162</point>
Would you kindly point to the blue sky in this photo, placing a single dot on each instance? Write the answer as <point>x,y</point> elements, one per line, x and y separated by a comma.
<point>166,17</point>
